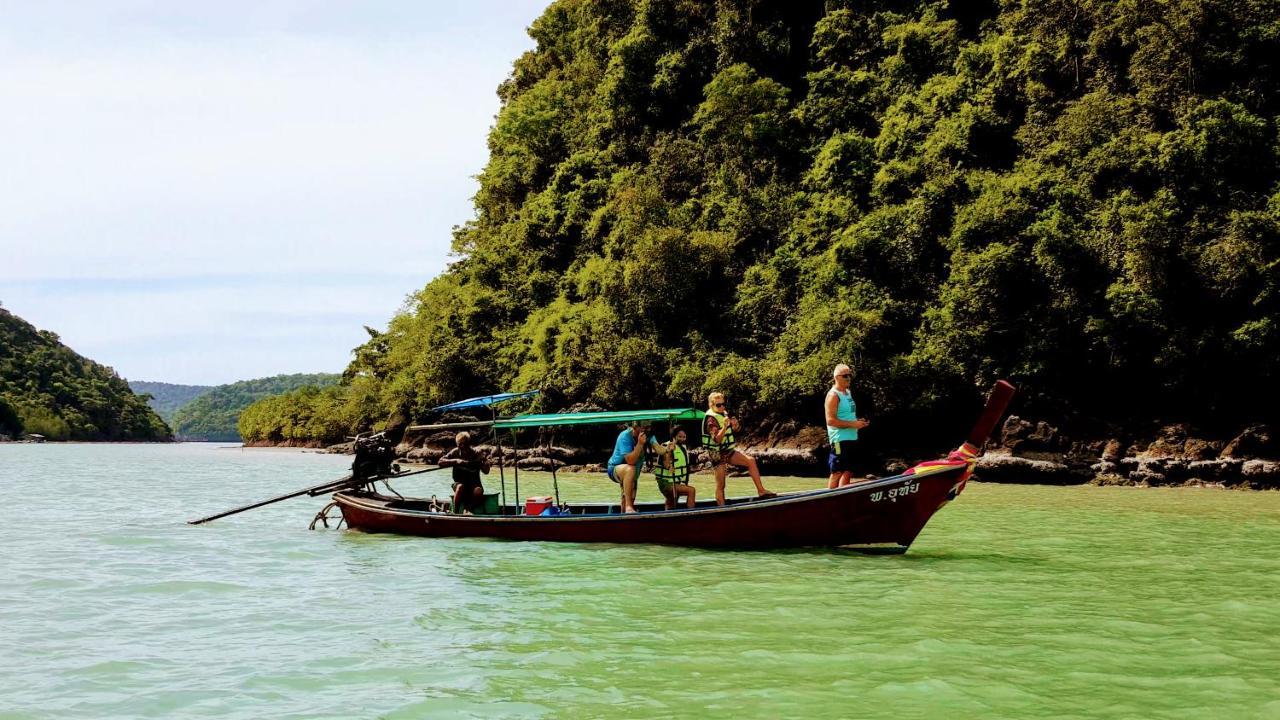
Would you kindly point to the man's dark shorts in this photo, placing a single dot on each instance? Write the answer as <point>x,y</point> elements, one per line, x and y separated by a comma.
<point>841,457</point>
<point>469,487</point>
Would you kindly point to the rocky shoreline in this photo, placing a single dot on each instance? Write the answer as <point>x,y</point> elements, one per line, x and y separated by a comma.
<point>10,440</point>
<point>1023,452</point>
<point>1037,452</point>
<point>342,448</point>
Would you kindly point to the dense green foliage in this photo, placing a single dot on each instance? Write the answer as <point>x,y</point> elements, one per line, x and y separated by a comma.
<point>680,196</point>
<point>166,398</point>
<point>309,413</point>
<point>47,389</point>
<point>215,414</point>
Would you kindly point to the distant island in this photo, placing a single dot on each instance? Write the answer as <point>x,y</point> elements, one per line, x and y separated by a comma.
<point>48,390</point>
<point>213,413</point>
<point>166,398</point>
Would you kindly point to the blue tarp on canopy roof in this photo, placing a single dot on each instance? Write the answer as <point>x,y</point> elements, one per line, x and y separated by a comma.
<point>598,418</point>
<point>483,401</point>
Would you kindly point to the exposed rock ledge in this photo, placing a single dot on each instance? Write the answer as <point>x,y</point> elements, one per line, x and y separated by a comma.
<point>286,443</point>
<point>1037,452</point>
<point>1003,467</point>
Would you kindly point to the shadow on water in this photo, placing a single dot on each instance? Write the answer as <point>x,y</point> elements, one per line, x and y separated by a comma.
<point>933,556</point>
<point>472,550</point>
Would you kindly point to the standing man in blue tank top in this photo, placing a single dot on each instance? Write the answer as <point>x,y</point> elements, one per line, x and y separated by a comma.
<point>843,425</point>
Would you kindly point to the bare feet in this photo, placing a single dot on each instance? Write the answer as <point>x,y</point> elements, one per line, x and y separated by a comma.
<point>629,511</point>
<point>766,495</point>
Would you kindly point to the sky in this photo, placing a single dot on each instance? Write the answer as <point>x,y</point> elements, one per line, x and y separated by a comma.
<point>201,193</point>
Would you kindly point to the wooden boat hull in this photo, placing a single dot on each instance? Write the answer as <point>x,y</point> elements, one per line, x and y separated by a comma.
<point>882,515</point>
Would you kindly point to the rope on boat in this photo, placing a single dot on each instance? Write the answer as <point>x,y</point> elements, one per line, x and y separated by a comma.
<point>323,518</point>
<point>387,482</point>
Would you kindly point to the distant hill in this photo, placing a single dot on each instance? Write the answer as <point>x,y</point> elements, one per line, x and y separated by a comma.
<point>46,388</point>
<point>215,414</point>
<point>166,398</point>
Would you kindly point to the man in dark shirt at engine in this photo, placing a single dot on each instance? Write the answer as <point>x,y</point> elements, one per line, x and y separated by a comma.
<point>467,464</point>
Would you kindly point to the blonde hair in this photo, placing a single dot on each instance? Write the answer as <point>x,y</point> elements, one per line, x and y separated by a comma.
<point>711,399</point>
<point>462,437</point>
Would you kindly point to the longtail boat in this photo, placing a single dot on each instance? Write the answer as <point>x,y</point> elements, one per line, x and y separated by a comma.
<point>883,515</point>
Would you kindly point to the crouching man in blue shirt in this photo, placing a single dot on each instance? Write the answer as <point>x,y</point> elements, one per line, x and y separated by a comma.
<point>624,464</point>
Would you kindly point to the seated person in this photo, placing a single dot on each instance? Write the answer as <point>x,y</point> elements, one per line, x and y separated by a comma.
<point>467,464</point>
<point>672,472</point>
<point>624,464</point>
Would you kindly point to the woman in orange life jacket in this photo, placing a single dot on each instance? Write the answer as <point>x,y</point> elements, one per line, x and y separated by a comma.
<point>717,437</point>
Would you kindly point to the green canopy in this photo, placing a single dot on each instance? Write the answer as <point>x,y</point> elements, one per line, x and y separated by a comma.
<point>612,417</point>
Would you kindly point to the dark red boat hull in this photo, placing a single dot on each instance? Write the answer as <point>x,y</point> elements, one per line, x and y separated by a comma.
<point>882,515</point>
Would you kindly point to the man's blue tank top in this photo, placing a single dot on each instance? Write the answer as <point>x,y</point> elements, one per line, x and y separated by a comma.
<point>844,411</point>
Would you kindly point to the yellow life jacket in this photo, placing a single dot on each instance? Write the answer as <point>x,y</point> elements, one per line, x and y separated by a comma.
<point>679,472</point>
<point>727,441</point>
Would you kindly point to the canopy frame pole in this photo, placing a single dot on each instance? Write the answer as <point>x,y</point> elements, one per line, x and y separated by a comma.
<point>515,446</point>
<point>551,457</point>
<point>502,476</point>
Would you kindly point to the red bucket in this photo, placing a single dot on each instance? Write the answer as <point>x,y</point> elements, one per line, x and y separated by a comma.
<point>535,505</point>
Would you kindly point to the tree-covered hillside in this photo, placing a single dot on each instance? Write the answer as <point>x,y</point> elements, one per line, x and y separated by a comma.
<point>215,414</point>
<point>47,389</point>
<point>310,414</point>
<point>166,398</point>
<point>684,196</point>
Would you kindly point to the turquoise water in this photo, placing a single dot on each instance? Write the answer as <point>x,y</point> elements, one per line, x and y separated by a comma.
<point>1017,602</point>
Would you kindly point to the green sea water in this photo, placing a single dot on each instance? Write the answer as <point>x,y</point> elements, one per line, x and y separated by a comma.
<point>1015,602</point>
